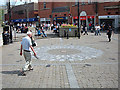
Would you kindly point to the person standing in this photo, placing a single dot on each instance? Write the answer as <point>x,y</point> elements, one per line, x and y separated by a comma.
<point>96,30</point>
<point>81,29</point>
<point>85,30</point>
<point>26,46</point>
<point>109,33</point>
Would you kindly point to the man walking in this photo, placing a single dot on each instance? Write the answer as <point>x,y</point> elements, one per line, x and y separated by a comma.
<point>109,33</point>
<point>26,46</point>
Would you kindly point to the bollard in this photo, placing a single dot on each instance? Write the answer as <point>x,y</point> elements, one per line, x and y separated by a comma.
<point>67,35</point>
<point>75,33</point>
<point>64,33</point>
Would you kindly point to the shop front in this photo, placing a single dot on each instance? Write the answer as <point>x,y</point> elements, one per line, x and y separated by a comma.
<point>61,20</point>
<point>45,20</point>
<point>112,20</point>
<point>30,21</point>
<point>84,20</point>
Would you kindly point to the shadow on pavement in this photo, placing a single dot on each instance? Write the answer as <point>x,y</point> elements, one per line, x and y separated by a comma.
<point>11,72</point>
<point>104,41</point>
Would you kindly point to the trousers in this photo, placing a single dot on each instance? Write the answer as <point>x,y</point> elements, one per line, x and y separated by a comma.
<point>27,56</point>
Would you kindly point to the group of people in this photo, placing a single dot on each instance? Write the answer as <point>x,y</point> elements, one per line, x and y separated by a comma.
<point>41,32</point>
<point>21,28</point>
<point>97,29</point>
<point>28,43</point>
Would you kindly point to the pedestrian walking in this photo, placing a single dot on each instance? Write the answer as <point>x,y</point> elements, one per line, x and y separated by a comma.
<point>81,29</point>
<point>43,33</point>
<point>96,30</point>
<point>85,30</point>
<point>26,47</point>
<point>109,33</point>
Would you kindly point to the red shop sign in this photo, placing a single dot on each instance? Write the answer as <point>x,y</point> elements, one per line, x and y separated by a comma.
<point>82,17</point>
<point>90,17</point>
<point>75,17</point>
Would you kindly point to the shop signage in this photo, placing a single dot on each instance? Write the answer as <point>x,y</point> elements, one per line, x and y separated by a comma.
<point>61,18</point>
<point>24,20</point>
<point>90,17</point>
<point>44,19</point>
<point>84,17</point>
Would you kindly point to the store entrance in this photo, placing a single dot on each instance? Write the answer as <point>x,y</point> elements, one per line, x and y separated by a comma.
<point>107,22</point>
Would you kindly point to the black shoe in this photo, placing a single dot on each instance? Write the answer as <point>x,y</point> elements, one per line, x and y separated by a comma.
<point>31,69</point>
<point>22,74</point>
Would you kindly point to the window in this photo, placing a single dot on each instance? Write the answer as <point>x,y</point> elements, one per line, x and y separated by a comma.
<point>76,2</point>
<point>19,12</point>
<point>44,4</point>
<point>55,15</point>
<point>116,12</point>
<point>64,14</point>
<point>50,16</point>
<point>109,12</point>
<point>89,1</point>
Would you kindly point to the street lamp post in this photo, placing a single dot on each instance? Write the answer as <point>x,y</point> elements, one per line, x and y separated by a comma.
<point>9,12</point>
<point>26,12</point>
<point>78,22</point>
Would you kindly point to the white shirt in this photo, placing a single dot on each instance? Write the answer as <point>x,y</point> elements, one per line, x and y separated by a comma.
<point>97,27</point>
<point>26,43</point>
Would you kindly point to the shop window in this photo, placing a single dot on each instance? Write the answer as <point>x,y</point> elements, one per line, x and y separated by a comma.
<point>50,16</point>
<point>20,12</point>
<point>89,1</point>
<point>83,3</point>
<point>109,12</point>
<point>76,2</point>
<point>116,12</point>
<point>44,4</point>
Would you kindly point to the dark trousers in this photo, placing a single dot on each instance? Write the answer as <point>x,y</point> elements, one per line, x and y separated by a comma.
<point>85,33</point>
<point>109,37</point>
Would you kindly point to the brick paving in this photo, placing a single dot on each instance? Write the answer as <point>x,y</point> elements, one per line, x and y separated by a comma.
<point>98,72</point>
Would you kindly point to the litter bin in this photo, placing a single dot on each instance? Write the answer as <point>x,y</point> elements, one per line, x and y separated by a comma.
<point>5,38</point>
<point>6,35</point>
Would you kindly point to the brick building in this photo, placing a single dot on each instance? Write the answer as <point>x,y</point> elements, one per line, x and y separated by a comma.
<point>66,12</point>
<point>24,13</point>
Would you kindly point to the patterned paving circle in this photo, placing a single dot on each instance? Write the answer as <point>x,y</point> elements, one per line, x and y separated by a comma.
<point>67,52</point>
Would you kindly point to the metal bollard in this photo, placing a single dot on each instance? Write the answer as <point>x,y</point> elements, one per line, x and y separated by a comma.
<point>75,33</point>
<point>67,35</point>
<point>64,33</point>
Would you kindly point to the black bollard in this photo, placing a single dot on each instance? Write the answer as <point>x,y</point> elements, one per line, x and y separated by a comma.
<point>75,33</point>
<point>67,35</point>
<point>64,33</point>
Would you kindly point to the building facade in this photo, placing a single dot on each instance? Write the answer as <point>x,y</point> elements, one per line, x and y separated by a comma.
<point>67,12</point>
<point>1,14</point>
<point>24,13</point>
<point>89,12</point>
